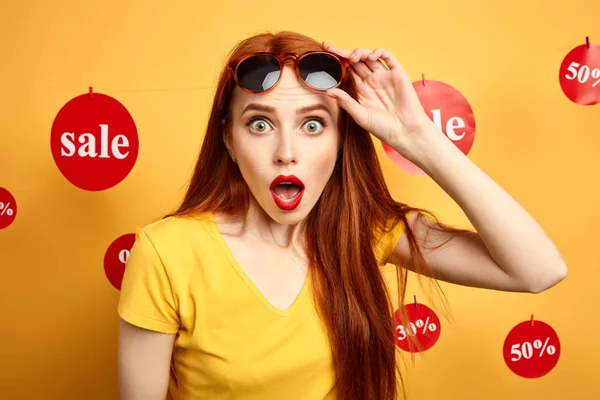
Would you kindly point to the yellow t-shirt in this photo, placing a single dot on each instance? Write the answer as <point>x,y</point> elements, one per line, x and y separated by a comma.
<point>231,342</point>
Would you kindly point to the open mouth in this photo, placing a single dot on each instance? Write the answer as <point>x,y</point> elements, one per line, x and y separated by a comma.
<point>287,192</point>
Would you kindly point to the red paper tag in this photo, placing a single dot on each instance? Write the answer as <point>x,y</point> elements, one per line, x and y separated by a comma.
<point>531,351</point>
<point>449,110</point>
<point>94,141</point>
<point>580,75</point>
<point>423,326</point>
<point>8,208</point>
<point>116,257</point>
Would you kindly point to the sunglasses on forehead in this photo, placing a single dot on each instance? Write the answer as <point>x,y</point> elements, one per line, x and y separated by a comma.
<point>260,72</point>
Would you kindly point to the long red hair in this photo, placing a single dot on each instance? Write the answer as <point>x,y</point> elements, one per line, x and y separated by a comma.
<point>349,289</point>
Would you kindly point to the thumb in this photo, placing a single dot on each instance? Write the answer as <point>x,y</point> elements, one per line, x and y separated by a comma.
<point>347,102</point>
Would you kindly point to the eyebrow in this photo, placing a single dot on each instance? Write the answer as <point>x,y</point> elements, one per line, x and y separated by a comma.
<point>270,109</point>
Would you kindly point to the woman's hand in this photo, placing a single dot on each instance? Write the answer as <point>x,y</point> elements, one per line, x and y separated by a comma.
<point>388,105</point>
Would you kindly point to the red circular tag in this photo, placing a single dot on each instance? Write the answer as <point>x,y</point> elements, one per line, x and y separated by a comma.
<point>8,208</point>
<point>94,141</point>
<point>580,75</point>
<point>422,330</point>
<point>450,111</point>
<point>531,351</point>
<point>116,257</point>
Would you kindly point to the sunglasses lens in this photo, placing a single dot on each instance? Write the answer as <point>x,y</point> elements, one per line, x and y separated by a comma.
<point>321,71</point>
<point>258,73</point>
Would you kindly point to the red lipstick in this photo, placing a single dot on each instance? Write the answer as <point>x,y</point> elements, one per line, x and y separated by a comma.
<point>287,204</point>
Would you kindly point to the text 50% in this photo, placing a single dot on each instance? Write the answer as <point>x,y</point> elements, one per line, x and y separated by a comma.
<point>525,349</point>
<point>583,73</point>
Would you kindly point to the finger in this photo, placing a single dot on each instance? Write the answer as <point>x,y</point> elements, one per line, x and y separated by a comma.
<point>356,111</point>
<point>388,57</point>
<point>376,56</point>
<point>364,55</point>
<point>358,54</point>
<point>357,63</point>
<point>344,53</point>
<point>393,64</point>
<point>374,64</point>
<point>361,69</point>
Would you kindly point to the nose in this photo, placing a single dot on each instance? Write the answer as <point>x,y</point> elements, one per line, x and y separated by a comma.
<point>286,152</point>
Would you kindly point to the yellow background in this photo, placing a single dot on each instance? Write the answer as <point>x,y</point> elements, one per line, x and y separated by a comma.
<point>58,335</point>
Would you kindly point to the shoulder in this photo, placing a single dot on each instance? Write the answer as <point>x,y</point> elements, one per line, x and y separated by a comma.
<point>176,236</point>
<point>173,227</point>
<point>387,236</point>
<point>392,235</point>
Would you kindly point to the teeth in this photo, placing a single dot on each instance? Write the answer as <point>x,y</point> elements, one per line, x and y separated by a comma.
<point>289,183</point>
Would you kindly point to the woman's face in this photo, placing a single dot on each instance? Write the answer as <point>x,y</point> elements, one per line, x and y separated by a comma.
<point>288,131</point>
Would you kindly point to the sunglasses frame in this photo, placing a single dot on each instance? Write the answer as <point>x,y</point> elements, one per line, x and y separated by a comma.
<point>281,58</point>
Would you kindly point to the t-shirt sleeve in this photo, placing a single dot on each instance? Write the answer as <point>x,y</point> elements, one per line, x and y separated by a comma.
<point>386,242</point>
<point>147,298</point>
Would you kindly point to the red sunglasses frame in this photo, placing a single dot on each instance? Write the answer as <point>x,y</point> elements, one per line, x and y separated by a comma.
<point>281,58</point>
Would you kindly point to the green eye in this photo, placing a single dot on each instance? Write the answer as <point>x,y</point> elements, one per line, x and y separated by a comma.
<point>259,125</point>
<point>312,126</point>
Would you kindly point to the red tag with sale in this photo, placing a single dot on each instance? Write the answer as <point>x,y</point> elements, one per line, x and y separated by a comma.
<point>94,141</point>
<point>422,330</point>
<point>580,74</point>
<point>531,349</point>
<point>116,257</point>
<point>449,110</point>
<point>8,208</point>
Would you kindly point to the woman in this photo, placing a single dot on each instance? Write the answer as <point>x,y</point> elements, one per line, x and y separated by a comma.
<point>268,282</point>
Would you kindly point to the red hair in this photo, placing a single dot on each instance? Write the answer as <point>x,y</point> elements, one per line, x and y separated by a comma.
<point>349,290</point>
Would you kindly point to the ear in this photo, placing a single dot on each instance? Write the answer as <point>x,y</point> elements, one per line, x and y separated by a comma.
<point>227,140</point>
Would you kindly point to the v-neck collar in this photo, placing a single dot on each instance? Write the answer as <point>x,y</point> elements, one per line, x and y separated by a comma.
<point>249,282</point>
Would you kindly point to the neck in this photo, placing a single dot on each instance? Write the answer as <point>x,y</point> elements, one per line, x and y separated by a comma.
<point>261,225</point>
